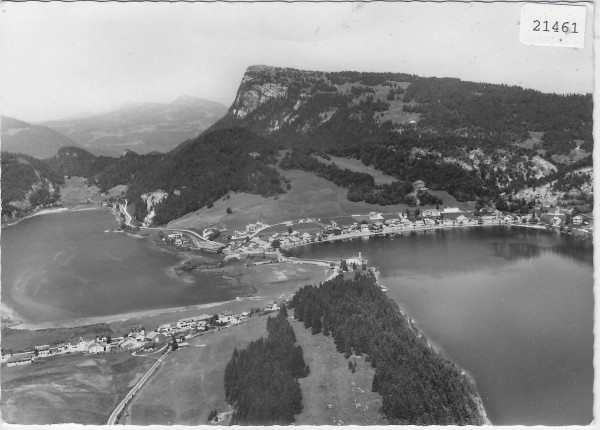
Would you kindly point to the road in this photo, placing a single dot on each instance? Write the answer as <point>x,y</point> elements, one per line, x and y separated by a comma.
<point>199,241</point>
<point>112,420</point>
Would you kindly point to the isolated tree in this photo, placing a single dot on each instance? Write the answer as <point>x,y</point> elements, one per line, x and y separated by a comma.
<point>290,230</point>
<point>229,211</point>
<point>344,265</point>
<point>283,311</point>
<point>174,345</point>
<point>276,244</point>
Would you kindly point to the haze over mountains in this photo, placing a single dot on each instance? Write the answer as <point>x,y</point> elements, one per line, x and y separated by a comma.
<point>35,140</point>
<point>494,144</point>
<point>142,127</point>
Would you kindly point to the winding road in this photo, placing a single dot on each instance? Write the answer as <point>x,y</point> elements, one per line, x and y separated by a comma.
<point>199,241</point>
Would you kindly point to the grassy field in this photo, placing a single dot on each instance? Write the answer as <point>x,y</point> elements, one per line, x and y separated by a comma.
<point>358,166</point>
<point>75,191</point>
<point>332,394</point>
<point>72,389</point>
<point>535,137</point>
<point>190,383</point>
<point>310,197</point>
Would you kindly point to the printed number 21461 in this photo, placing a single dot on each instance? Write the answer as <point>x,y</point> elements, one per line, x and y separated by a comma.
<point>566,27</point>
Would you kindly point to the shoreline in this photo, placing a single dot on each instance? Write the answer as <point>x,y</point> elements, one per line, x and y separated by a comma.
<point>402,232</point>
<point>74,208</point>
<point>35,213</point>
<point>109,319</point>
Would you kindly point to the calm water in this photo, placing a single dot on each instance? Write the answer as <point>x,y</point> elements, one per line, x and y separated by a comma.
<point>514,307</point>
<point>64,266</point>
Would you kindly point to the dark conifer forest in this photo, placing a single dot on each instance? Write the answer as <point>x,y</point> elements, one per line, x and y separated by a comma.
<point>417,385</point>
<point>261,381</point>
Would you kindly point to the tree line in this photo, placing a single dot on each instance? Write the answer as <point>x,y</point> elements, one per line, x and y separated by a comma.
<point>417,385</point>
<point>361,186</point>
<point>261,381</point>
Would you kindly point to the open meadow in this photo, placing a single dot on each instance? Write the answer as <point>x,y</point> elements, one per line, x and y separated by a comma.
<point>309,197</point>
<point>357,166</point>
<point>75,191</point>
<point>75,388</point>
<point>331,393</point>
<point>190,382</point>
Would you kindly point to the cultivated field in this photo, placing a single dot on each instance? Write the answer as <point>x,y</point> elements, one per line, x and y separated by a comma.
<point>72,389</point>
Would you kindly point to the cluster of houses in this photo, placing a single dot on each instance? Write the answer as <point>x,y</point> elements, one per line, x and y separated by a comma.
<point>137,339</point>
<point>376,223</point>
<point>177,239</point>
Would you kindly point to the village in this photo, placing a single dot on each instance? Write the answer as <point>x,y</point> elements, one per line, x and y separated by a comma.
<point>138,340</point>
<point>263,239</point>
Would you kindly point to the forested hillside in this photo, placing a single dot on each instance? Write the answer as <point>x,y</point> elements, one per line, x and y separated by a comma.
<point>203,170</point>
<point>417,385</point>
<point>502,145</point>
<point>473,140</point>
<point>26,183</point>
<point>261,381</point>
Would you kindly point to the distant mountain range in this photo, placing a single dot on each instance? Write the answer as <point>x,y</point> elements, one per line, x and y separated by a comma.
<point>141,127</point>
<point>35,140</point>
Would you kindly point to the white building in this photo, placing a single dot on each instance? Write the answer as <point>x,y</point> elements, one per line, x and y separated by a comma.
<point>452,210</point>
<point>431,213</point>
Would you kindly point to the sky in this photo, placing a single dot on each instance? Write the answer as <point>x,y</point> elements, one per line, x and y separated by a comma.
<point>59,59</point>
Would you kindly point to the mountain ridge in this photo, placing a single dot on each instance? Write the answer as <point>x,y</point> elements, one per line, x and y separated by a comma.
<point>142,127</point>
<point>38,141</point>
<point>482,143</point>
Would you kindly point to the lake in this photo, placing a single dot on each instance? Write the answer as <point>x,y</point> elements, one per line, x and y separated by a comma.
<point>512,306</point>
<point>64,266</point>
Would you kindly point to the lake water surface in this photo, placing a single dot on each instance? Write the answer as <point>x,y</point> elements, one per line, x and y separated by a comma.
<point>512,306</point>
<point>64,266</point>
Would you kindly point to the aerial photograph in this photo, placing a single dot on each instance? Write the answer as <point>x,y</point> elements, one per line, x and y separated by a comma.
<point>267,213</point>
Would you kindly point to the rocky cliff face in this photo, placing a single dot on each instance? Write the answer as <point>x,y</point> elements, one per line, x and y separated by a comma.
<point>254,92</point>
<point>272,99</point>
